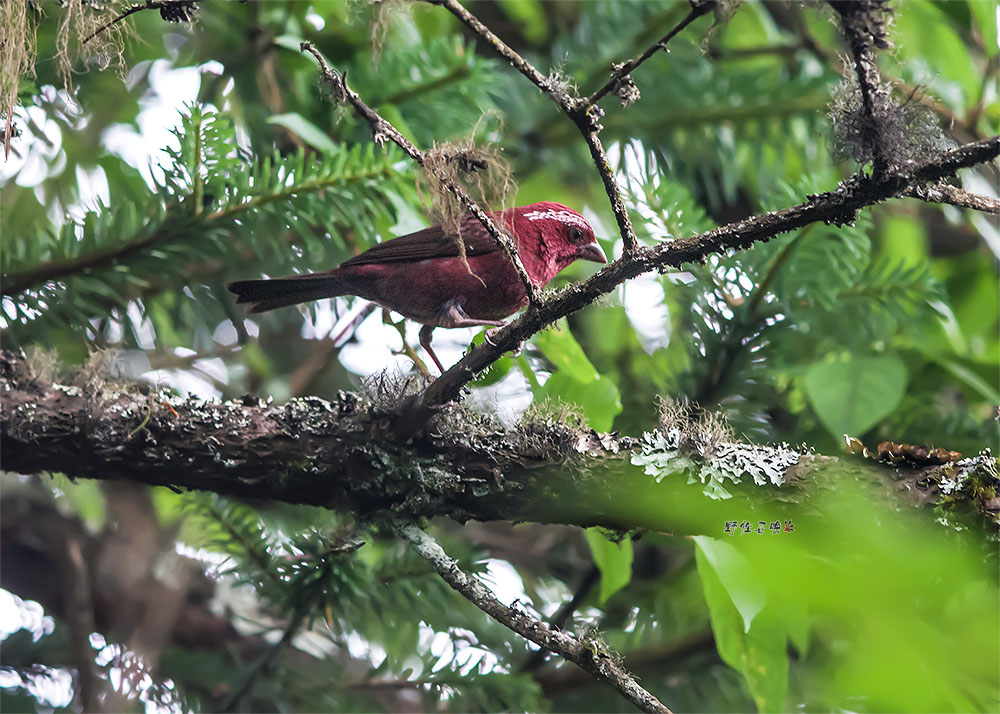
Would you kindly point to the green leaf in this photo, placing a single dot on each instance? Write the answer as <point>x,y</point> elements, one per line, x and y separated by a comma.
<point>497,371</point>
<point>528,16</point>
<point>736,575</point>
<point>600,399</point>
<point>985,14</point>
<point>614,560</point>
<point>562,350</point>
<point>757,651</point>
<point>306,130</point>
<point>853,394</point>
<point>972,380</point>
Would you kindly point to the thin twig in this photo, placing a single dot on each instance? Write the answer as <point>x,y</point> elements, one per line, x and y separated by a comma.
<point>565,611</point>
<point>591,655</point>
<point>954,196</point>
<point>583,115</point>
<point>149,5</point>
<point>622,72</point>
<point>382,130</point>
<point>232,702</point>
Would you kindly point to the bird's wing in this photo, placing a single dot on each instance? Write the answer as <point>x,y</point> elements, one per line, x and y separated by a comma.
<point>429,243</point>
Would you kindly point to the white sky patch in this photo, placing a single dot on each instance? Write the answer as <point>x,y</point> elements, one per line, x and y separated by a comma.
<point>170,88</point>
<point>502,579</point>
<point>373,352</point>
<point>643,301</point>
<point>507,399</point>
<point>37,153</point>
<point>17,614</point>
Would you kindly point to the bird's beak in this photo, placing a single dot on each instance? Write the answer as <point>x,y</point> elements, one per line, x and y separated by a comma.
<point>592,251</point>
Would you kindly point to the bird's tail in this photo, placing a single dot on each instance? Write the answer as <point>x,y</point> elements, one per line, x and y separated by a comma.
<point>264,295</point>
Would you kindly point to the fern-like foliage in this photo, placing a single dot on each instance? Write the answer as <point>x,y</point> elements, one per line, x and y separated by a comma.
<point>218,212</point>
<point>318,581</point>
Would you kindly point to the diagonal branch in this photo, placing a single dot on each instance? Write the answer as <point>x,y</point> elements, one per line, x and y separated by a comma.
<point>620,75</point>
<point>840,206</point>
<point>382,130</point>
<point>175,8</point>
<point>590,654</point>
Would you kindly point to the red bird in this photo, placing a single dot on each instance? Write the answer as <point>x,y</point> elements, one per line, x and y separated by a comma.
<point>422,277</point>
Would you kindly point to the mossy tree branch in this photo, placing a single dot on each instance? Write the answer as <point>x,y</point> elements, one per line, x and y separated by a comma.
<point>343,454</point>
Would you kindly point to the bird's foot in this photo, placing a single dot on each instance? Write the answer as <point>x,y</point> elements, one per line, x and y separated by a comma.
<point>489,334</point>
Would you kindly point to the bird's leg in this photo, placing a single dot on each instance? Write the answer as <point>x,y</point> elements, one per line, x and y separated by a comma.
<point>426,332</point>
<point>455,316</point>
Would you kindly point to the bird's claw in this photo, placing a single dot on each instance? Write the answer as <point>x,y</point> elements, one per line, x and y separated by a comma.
<point>490,333</point>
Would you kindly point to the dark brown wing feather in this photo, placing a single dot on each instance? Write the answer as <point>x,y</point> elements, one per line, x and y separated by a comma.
<point>429,243</point>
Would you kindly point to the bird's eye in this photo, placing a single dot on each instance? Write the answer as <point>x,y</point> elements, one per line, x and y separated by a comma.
<point>576,234</point>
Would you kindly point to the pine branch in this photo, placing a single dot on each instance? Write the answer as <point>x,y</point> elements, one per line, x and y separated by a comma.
<point>175,225</point>
<point>98,260</point>
<point>591,654</point>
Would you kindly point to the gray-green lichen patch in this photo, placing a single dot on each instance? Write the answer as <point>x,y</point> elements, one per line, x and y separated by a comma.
<point>703,446</point>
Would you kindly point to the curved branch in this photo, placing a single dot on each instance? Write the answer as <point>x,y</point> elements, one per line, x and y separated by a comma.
<point>584,115</point>
<point>954,196</point>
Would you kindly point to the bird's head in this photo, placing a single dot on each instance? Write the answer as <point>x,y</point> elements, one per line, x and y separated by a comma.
<point>550,236</point>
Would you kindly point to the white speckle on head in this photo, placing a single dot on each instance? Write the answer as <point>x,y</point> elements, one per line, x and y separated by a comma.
<point>567,217</point>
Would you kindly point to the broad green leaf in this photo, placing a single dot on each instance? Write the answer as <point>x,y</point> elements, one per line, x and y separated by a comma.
<point>600,399</point>
<point>562,350</point>
<point>985,18</point>
<point>528,16</point>
<point>306,130</point>
<point>852,394</point>
<point>614,560</point>
<point>737,576</point>
<point>759,652</point>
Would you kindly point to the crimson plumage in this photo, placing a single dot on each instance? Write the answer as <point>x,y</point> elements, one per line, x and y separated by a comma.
<point>423,277</point>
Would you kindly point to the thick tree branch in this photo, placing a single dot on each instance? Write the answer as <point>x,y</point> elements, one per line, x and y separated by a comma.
<point>382,130</point>
<point>343,454</point>
<point>840,206</point>
<point>591,655</point>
